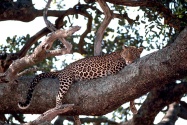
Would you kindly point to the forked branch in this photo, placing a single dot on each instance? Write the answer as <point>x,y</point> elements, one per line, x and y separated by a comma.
<point>40,53</point>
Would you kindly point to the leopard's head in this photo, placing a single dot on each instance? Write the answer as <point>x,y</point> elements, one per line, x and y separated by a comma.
<point>131,53</point>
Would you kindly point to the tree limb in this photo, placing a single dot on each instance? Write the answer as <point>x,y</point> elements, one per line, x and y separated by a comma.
<point>99,35</point>
<point>40,53</point>
<point>52,27</point>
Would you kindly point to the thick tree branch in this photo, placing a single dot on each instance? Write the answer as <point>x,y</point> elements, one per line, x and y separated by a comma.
<point>40,53</point>
<point>104,95</point>
<point>124,2</point>
<point>11,10</point>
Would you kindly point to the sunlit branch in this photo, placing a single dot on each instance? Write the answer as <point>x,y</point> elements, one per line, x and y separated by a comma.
<point>39,54</point>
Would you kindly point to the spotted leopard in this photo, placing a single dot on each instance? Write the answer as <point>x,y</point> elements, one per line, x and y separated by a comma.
<point>87,68</point>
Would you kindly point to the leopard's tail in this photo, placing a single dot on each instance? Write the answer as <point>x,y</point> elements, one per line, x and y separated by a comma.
<point>24,105</point>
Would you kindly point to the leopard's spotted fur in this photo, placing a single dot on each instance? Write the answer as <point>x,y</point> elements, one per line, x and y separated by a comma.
<point>87,68</point>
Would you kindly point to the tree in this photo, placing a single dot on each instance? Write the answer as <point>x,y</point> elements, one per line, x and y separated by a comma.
<point>155,74</point>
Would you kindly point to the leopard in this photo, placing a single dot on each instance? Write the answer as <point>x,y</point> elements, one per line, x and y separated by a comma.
<point>86,69</point>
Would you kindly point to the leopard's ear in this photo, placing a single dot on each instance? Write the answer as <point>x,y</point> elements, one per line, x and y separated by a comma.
<point>124,47</point>
<point>140,49</point>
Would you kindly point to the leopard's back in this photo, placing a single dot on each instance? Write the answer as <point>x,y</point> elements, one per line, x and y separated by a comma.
<point>96,66</point>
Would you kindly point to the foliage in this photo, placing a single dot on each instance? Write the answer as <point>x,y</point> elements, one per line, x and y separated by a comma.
<point>14,44</point>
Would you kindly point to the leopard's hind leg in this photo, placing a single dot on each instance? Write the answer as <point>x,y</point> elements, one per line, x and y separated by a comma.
<point>65,83</point>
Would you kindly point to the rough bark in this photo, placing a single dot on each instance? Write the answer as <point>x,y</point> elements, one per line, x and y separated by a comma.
<point>103,95</point>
